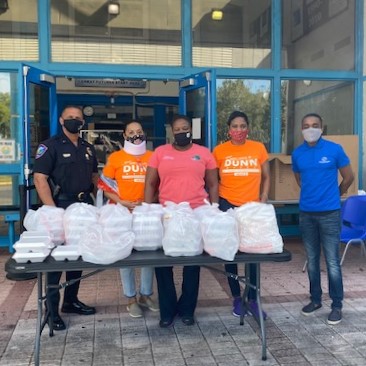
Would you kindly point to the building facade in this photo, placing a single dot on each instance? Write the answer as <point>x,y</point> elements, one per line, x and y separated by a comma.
<point>149,59</point>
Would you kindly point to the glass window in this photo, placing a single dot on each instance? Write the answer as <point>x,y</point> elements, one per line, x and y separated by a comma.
<point>9,118</point>
<point>318,34</point>
<point>249,96</point>
<point>9,188</point>
<point>19,30</point>
<point>332,100</point>
<point>145,32</point>
<point>231,34</point>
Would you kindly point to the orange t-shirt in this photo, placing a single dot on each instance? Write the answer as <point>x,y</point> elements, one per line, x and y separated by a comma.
<point>240,170</point>
<point>129,172</point>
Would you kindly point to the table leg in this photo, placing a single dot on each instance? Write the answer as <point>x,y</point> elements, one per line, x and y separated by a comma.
<point>37,345</point>
<point>261,319</point>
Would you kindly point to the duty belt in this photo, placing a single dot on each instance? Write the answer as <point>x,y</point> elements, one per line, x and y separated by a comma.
<point>77,197</point>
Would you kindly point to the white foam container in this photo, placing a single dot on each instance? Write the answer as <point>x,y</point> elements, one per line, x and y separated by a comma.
<point>36,257</point>
<point>33,244</point>
<point>63,252</point>
<point>37,234</point>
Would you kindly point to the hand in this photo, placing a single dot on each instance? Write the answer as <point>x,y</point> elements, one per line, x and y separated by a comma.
<point>130,204</point>
<point>264,198</point>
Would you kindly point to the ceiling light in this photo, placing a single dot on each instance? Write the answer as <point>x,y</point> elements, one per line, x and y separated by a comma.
<point>113,8</point>
<point>217,14</point>
<point>4,6</point>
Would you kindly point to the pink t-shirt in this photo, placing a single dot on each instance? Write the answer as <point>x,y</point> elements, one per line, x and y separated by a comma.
<point>182,173</point>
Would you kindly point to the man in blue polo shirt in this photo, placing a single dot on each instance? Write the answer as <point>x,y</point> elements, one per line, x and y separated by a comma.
<point>316,164</point>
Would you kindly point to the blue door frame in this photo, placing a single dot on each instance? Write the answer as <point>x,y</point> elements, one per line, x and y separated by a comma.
<point>207,81</point>
<point>31,75</point>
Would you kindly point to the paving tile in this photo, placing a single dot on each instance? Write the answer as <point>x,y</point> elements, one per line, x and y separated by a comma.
<point>111,337</point>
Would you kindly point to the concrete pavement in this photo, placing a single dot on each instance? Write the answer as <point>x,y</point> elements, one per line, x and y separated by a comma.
<point>112,337</point>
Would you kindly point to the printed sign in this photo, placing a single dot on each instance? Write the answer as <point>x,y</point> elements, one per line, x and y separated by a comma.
<point>110,83</point>
<point>7,150</point>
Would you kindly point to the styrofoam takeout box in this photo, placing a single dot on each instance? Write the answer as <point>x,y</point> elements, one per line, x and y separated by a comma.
<point>32,234</point>
<point>33,244</point>
<point>33,257</point>
<point>63,252</point>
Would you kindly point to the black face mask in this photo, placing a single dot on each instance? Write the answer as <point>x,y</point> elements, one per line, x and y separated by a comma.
<point>183,138</point>
<point>73,125</point>
<point>132,139</point>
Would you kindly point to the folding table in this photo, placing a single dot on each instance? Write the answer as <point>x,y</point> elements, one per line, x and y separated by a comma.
<point>143,259</point>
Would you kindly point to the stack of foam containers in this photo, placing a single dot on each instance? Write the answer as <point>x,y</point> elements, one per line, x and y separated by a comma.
<point>66,252</point>
<point>32,246</point>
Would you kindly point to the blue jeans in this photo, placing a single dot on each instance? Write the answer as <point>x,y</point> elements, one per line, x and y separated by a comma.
<point>322,231</point>
<point>128,281</point>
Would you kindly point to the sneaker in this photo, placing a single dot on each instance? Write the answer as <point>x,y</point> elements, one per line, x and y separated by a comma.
<point>254,310</point>
<point>335,316</point>
<point>148,302</point>
<point>310,308</point>
<point>134,310</point>
<point>237,307</point>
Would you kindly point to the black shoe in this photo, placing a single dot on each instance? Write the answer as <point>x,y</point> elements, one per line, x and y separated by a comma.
<point>187,320</point>
<point>77,307</point>
<point>310,308</point>
<point>166,323</point>
<point>58,323</point>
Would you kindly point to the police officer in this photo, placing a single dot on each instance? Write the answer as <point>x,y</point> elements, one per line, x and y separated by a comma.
<point>65,172</point>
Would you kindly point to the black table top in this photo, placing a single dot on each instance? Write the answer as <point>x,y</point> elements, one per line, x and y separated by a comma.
<point>140,259</point>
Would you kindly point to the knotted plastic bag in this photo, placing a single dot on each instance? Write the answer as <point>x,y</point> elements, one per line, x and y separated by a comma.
<point>258,229</point>
<point>98,246</point>
<point>77,219</point>
<point>115,219</point>
<point>147,226</point>
<point>47,219</point>
<point>220,234</point>
<point>182,234</point>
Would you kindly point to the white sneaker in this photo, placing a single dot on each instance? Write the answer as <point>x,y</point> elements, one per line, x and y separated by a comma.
<point>149,303</point>
<point>134,310</point>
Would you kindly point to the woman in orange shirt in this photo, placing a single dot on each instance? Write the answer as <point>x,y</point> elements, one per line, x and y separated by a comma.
<point>128,168</point>
<point>244,177</point>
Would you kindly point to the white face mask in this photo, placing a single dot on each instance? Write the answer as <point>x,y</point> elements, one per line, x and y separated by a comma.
<point>133,149</point>
<point>312,134</point>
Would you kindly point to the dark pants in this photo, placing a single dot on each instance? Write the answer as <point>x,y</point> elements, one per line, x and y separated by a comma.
<point>186,305</point>
<point>225,205</point>
<point>71,292</point>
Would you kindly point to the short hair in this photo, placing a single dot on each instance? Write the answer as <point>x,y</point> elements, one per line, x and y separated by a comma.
<point>72,106</point>
<point>181,116</point>
<point>237,114</point>
<point>315,115</point>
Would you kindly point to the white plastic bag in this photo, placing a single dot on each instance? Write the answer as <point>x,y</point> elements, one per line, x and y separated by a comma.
<point>182,234</point>
<point>207,209</point>
<point>77,219</point>
<point>97,246</point>
<point>258,229</point>
<point>220,234</point>
<point>48,219</point>
<point>115,216</point>
<point>147,226</point>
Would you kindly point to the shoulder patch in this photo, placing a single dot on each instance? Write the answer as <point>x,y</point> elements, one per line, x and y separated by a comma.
<point>41,150</point>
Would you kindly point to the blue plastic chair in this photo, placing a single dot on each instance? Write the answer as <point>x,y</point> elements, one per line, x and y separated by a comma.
<point>354,223</point>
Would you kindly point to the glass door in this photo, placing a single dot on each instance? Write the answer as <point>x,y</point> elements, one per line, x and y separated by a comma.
<point>197,99</point>
<point>40,122</point>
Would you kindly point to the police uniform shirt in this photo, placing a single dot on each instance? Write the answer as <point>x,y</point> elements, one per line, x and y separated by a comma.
<point>69,166</point>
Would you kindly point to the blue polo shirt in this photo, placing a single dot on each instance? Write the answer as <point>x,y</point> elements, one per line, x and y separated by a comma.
<point>318,166</point>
